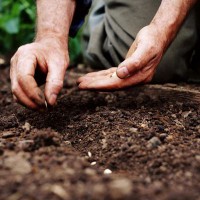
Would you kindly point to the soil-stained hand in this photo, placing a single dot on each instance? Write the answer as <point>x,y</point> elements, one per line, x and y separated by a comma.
<point>49,56</point>
<point>139,66</point>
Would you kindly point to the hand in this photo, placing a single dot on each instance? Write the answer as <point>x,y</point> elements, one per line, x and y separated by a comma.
<point>139,66</point>
<point>48,56</point>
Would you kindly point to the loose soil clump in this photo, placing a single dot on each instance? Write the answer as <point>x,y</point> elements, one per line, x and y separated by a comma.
<point>139,143</point>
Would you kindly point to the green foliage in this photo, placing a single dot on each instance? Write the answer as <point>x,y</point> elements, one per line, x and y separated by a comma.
<point>75,51</point>
<point>17,27</point>
<point>17,22</point>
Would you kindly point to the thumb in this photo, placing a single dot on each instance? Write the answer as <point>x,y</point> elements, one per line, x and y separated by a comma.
<point>134,62</point>
<point>54,81</point>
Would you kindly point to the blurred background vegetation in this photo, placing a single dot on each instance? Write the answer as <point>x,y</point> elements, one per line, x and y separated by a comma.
<point>17,27</point>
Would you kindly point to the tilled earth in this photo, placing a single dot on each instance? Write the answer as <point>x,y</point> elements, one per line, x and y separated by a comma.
<point>140,143</point>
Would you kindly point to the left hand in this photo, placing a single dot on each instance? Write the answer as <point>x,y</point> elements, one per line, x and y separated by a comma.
<point>139,66</point>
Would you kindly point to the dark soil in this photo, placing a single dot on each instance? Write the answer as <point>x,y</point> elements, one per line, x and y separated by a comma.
<point>148,138</point>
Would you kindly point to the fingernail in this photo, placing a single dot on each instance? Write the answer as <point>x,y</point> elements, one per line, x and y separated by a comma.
<point>52,99</point>
<point>123,72</point>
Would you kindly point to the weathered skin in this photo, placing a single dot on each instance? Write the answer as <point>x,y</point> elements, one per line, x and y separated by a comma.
<point>146,52</point>
<point>49,52</point>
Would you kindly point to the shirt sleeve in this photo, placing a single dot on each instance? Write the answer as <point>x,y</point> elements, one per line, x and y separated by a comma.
<point>82,9</point>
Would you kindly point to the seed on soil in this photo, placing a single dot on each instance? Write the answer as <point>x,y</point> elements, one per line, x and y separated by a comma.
<point>107,171</point>
<point>93,163</point>
<point>89,154</point>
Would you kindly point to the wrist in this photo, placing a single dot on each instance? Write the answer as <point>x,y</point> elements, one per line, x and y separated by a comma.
<point>165,34</point>
<point>167,25</point>
<point>159,35</point>
<point>52,38</point>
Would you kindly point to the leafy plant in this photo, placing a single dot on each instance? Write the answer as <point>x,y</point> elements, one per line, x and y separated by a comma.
<point>17,24</point>
<point>17,27</point>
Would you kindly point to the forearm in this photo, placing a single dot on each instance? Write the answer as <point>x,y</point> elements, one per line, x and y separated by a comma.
<point>170,17</point>
<point>54,18</point>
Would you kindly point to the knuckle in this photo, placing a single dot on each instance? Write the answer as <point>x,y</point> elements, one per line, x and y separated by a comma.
<point>21,49</point>
<point>20,78</point>
<point>24,49</point>
<point>151,47</point>
<point>56,84</point>
<point>137,63</point>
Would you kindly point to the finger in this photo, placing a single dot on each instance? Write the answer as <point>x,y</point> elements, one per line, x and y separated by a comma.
<point>101,83</point>
<point>113,83</point>
<point>134,63</point>
<point>18,94</point>
<point>54,82</point>
<point>25,77</point>
<point>105,82</point>
<point>93,75</point>
<point>21,98</point>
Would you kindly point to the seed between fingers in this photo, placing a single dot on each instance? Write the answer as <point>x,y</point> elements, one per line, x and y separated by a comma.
<point>113,75</point>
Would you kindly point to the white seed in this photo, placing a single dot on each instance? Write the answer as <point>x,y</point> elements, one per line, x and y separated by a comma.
<point>93,163</point>
<point>2,61</point>
<point>113,75</point>
<point>107,171</point>
<point>89,154</point>
<point>46,104</point>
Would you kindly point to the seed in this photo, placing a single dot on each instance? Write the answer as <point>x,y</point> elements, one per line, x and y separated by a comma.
<point>93,163</point>
<point>113,75</point>
<point>107,171</point>
<point>46,104</point>
<point>89,154</point>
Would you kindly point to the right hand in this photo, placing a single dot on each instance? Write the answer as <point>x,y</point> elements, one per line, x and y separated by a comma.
<point>50,57</point>
<point>138,67</point>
